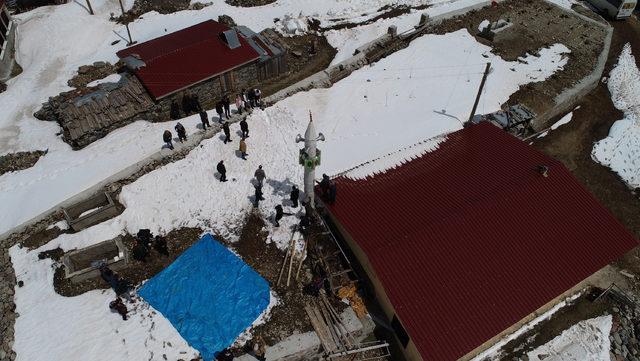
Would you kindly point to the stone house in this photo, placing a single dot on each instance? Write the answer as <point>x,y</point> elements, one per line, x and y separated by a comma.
<point>208,60</point>
<point>7,42</point>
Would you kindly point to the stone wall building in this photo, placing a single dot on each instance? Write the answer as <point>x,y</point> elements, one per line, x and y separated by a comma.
<point>206,61</point>
<point>7,42</point>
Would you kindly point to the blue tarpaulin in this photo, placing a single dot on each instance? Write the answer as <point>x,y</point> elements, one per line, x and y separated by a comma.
<point>209,295</point>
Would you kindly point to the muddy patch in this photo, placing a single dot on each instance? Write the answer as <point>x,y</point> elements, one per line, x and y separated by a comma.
<point>306,55</point>
<point>536,25</point>
<point>141,7</point>
<point>249,3</point>
<point>136,272</point>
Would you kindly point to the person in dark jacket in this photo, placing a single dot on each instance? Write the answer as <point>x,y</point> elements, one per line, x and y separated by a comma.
<point>305,223</point>
<point>294,196</point>
<point>119,307</point>
<point>332,192</point>
<point>251,95</point>
<point>182,133</point>
<point>175,110</point>
<point>160,245</point>
<point>167,137</point>
<point>204,118</point>
<point>140,251</point>
<point>227,132</point>
<point>260,175</point>
<point>244,127</point>
<point>279,214</point>
<point>258,195</point>
<point>222,170</point>
<point>108,276</point>
<point>325,185</point>
<point>220,111</point>
<point>226,103</point>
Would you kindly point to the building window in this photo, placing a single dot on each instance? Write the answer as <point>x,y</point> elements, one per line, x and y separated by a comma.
<point>400,332</point>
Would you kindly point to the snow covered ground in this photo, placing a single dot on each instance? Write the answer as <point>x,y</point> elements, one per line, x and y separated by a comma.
<point>50,48</point>
<point>585,341</point>
<point>406,99</point>
<point>375,111</point>
<point>564,120</point>
<point>621,149</point>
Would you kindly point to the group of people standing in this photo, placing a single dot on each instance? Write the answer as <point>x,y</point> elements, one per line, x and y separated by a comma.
<point>245,101</point>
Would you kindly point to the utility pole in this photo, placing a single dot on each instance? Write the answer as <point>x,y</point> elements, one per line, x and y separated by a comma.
<point>484,79</point>
<point>90,8</point>
<point>126,24</point>
<point>310,158</point>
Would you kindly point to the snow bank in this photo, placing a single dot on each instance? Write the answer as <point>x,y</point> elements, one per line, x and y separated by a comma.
<point>52,327</point>
<point>564,120</point>
<point>621,149</point>
<point>395,159</point>
<point>495,352</point>
<point>347,40</point>
<point>62,174</point>
<point>585,341</point>
<point>113,78</point>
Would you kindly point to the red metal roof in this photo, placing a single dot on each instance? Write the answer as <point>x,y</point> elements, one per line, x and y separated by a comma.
<point>186,57</point>
<point>469,239</point>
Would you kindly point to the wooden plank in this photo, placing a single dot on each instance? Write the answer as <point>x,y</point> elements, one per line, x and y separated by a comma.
<point>321,331</point>
<point>348,339</point>
<point>322,314</point>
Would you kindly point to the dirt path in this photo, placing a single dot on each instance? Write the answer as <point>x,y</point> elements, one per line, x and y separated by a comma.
<point>572,144</point>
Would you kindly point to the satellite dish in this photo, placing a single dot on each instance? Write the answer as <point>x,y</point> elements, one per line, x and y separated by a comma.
<point>321,137</point>
<point>299,138</point>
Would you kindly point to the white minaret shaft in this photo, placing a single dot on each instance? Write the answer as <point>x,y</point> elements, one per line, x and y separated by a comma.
<point>310,141</point>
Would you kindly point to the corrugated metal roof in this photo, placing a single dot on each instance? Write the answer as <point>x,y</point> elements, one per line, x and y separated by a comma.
<point>470,238</point>
<point>186,57</point>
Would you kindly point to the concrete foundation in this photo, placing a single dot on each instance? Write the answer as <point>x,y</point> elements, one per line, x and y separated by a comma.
<point>91,211</point>
<point>79,264</point>
<point>307,346</point>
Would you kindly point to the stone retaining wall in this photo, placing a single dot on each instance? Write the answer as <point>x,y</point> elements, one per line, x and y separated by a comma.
<point>570,97</point>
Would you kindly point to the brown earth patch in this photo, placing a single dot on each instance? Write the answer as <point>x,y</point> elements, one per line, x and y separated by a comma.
<point>14,162</point>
